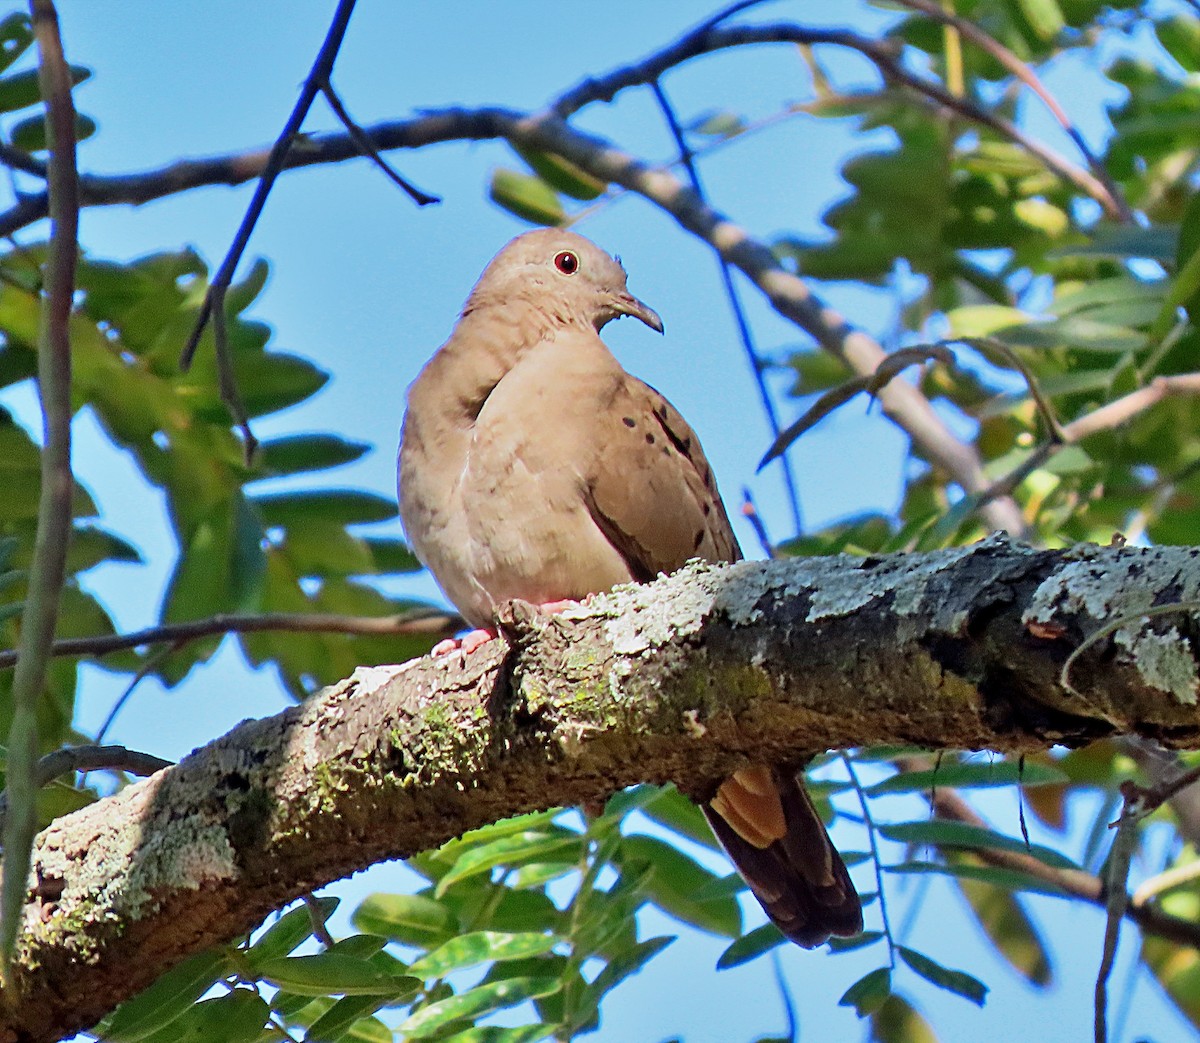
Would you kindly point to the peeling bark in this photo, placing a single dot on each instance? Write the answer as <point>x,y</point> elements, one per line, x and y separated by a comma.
<point>678,680</point>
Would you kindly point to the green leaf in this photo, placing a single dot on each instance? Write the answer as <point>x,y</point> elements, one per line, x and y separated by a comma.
<point>961,835</point>
<point>300,453</point>
<point>30,134</point>
<point>497,1034</point>
<point>858,941</point>
<point>332,972</point>
<point>898,1022</point>
<point>561,175</point>
<point>475,1003</point>
<point>236,1017</point>
<point>268,381</point>
<point>953,981</point>
<point>1180,37</point>
<point>868,994</point>
<point>336,1022</point>
<point>750,946</point>
<point>452,850</point>
<point>21,89</point>
<point>343,506</point>
<point>969,775</point>
<point>623,965</point>
<point>288,931</point>
<point>408,919</point>
<point>1125,242</point>
<point>1009,879</point>
<point>164,1001</point>
<point>222,565</point>
<point>718,124</point>
<point>672,809</point>
<point>468,950</point>
<point>391,555</point>
<point>1009,928</point>
<point>674,884</point>
<point>16,34</point>
<point>530,846</point>
<point>1044,16</point>
<point>526,197</point>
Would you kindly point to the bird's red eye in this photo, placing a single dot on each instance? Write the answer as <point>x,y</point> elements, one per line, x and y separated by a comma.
<point>566,262</point>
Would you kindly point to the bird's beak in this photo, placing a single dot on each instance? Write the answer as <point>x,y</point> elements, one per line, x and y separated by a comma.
<point>628,304</point>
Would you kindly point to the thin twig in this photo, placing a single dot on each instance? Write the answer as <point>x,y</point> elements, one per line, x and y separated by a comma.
<point>213,306</point>
<point>750,513</point>
<point>1167,880</point>
<point>18,159</point>
<point>758,366</point>
<point>226,380</point>
<point>89,758</point>
<point>1116,901</point>
<point>1075,883</point>
<point>368,149</point>
<point>431,622</point>
<point>320,71</point>
<point>149,666</point>
<point>1105,418</point>
<point>48,568</point>
<point>317,918</point>
<point>1023,72</point>
<point>873,841</point>
<point>457,124</point>
<point>884,55</point>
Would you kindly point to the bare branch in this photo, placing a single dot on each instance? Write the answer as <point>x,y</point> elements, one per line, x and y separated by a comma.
<point>89,758</point>
<point>884,55</point>
<point>431,622</point>
<point>368,149</point>
<point>758,366</point>
<point>949,804</point>
<point>1023,72</point>
<point>275,163</point>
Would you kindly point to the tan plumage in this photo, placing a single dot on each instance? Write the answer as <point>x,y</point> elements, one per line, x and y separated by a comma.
<point>533,466</point>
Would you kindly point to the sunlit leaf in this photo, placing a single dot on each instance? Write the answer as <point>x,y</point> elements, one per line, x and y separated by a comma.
<point>474,1003</point>
<point>511,850</point>
<point>477,947</point>
<point>410,919</point>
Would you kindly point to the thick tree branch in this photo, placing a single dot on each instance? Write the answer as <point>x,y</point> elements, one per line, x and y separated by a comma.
<point>679,680</point>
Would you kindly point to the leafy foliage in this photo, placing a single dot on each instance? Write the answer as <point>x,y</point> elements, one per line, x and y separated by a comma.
<point>519,931</point>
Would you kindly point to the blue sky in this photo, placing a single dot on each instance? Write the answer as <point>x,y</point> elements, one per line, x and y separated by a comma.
<point>368,286</point>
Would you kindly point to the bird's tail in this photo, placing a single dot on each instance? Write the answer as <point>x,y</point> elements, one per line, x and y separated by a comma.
<point>767,824</point>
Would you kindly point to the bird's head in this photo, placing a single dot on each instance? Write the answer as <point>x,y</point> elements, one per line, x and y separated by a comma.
<point>567,276</point>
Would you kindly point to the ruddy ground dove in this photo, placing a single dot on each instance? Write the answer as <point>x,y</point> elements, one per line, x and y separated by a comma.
<point>532,466</point>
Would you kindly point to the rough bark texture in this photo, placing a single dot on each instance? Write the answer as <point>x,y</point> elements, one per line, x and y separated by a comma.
<point>678,680</point>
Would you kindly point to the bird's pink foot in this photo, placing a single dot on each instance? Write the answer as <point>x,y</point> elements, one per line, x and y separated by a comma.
<point>559,606</point>
<point>466,644</point>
